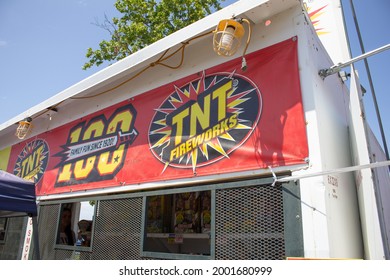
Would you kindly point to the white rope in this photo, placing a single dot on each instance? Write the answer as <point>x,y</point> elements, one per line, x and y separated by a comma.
<point>335,171</point>
<point>274,176</point>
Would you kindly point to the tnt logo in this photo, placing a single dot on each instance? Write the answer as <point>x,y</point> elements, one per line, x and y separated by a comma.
<point>32,160</point>
<point>204,121</point>
<point>96,150</point>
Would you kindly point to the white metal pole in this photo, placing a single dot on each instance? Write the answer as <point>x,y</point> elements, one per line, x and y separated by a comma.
<point>336,68</point>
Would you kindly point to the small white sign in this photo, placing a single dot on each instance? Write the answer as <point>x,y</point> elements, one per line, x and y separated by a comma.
<point>27,239</point>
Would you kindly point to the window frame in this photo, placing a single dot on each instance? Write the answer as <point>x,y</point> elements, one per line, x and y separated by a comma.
<point>75,213</point>
<point>167,255</point>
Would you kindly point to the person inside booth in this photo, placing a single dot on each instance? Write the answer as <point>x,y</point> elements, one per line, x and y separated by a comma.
<point>84,233</point>
<point>67,235</point>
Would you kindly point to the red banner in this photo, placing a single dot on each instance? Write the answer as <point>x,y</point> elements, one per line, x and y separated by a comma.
<point>219,121</point>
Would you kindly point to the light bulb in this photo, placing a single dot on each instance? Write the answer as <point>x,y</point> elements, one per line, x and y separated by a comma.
<point>228,38</point>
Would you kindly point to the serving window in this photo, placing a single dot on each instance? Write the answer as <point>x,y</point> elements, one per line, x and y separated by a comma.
<point>75,224</point>
<point>178,223</point>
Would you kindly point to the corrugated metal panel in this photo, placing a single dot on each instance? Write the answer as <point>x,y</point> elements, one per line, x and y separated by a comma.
<point>118,229</point>
<point>9,250</point>
<point>249,223</point>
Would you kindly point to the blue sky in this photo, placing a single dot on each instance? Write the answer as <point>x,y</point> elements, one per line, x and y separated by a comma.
<point>43,45</point>
<point>374,21</point>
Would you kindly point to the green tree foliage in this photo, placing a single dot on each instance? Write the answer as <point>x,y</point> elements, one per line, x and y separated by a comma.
<point>144,22</point>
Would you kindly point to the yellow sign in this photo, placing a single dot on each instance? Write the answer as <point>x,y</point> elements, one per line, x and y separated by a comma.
<point>4,158</point>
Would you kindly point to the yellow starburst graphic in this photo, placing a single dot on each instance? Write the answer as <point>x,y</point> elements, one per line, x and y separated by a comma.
<point>203,121</point>
<point>315,17</point>
<point>32,161</point>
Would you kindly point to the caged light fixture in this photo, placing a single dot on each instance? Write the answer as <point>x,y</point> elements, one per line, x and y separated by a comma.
<point>24,128</point>
<point>227,38</point>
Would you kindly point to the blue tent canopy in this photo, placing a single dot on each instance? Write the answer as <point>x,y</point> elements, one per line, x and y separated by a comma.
<point>17,196</point>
